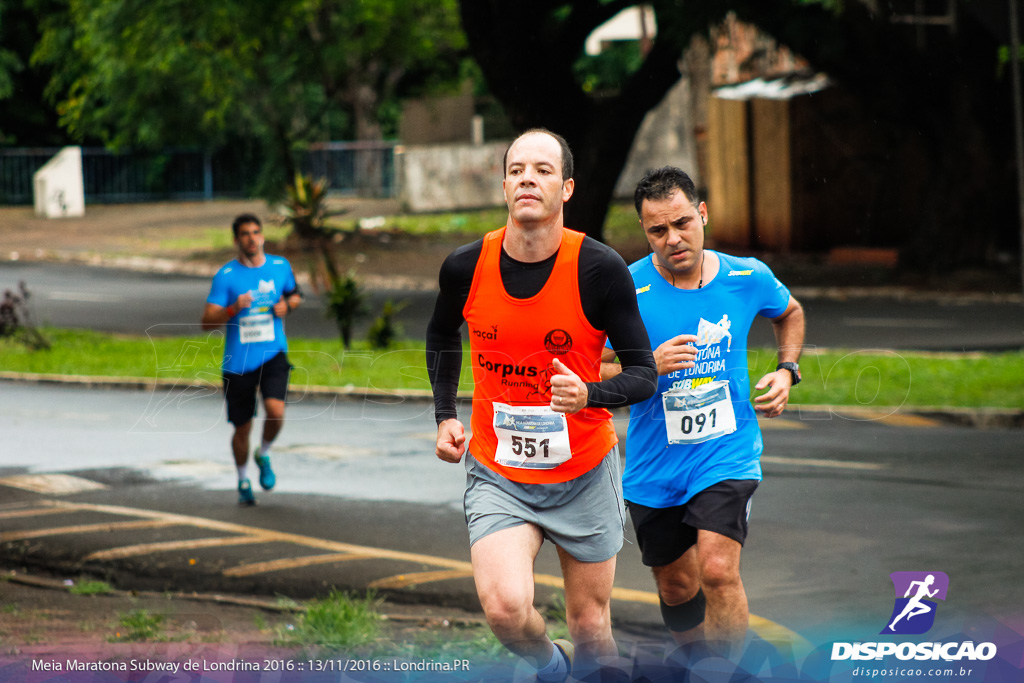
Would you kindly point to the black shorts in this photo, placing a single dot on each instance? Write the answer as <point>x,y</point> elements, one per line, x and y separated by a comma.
<point>664,534</point>
<point>271,379</point>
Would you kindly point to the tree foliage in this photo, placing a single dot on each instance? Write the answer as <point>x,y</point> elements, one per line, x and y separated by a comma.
<point>24,117</point>
<point>9,62</point>
<point>153,73</point>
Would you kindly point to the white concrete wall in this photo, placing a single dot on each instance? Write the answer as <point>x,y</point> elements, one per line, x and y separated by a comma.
<point>666,138</point>
<point>451,177</point>
<point>58,186</point>
<point>462,176</point>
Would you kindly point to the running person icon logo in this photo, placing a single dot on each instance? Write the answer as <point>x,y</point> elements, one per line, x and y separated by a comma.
<point>713,333</point>
<point>914,612</point>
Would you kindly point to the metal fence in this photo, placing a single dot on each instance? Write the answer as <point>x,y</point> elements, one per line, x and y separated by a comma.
<point>364,169</point>
<point>360,169</point>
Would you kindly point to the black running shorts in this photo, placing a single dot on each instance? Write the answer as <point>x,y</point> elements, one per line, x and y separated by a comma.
<point>664,534</point>
<point>271,379</point>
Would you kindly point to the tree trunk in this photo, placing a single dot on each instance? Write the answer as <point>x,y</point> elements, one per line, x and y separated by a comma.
<point>601,151</point>
<point>543,92</point>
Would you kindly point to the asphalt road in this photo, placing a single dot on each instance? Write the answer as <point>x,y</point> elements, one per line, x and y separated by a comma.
<point>361,501</point>
<point>141,303</point>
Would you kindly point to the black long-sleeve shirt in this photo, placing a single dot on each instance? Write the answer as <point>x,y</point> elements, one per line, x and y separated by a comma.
<point>608,300</point>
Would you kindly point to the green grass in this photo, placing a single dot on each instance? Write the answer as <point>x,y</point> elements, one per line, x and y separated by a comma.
<point>621,223</point>
<point>470,223</point>
<point>837,377</point>
<point>893,379</point>
<point>90,588</point>
<point>344,622</point>
<point>555,613</point>
<point>317,362</point>
<point>338,622</point>
<point>139,626</point>
<point>216,238</point>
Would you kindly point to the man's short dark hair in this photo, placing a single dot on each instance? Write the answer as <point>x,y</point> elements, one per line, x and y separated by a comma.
<point>660,183</point>
<point>567,165</point>
<point>243,219</point>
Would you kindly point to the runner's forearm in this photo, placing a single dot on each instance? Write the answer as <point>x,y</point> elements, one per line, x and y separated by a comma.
<point>636,380</point>
<point>444,366</point>
<point>214,316</point>
<point>789,332</point>
<point>444,351</point>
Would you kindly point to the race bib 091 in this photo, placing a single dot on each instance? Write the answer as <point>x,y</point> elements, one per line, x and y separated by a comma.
<point>700,414</point>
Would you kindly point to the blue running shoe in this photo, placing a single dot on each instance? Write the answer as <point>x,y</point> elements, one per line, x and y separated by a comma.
<point>245,496</point>
<point>568,651</point>
<point>267,478</point>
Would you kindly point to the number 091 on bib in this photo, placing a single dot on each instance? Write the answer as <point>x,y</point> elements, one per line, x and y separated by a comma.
<point>698,415</point>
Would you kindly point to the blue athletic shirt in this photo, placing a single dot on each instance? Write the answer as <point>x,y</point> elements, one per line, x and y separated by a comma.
<point>659,474</point>
<point>267,284</point>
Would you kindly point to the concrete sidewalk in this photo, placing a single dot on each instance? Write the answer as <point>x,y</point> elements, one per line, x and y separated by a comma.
<point>182,238</point>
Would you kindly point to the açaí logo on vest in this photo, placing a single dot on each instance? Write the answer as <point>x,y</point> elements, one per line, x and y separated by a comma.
<point>484,334</point>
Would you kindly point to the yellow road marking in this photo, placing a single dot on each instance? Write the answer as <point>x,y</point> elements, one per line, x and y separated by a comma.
<point>780,636</point>
<point>256,535</point>
<point>52,484</point>
<point>290,563</point>
<point>776,423</point>
<point>903,420</point>
<point>887,416</point>
<point>267,536</point>
<point>405,580</point>
<point>84,529</point>
<point>631,595</point>
<point>31,512</point>
<point>814,462</point>
<point>192,544</point>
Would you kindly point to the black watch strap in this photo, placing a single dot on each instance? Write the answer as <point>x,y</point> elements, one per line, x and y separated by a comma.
<point>794,371</point>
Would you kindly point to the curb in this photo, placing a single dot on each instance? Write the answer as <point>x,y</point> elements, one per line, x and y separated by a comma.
<point>147,384</point>
<point>977,418</point>
<point>905,294</point>
<point>205,269</point>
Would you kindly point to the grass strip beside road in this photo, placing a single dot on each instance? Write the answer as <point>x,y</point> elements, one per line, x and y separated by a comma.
<point>870,378</point>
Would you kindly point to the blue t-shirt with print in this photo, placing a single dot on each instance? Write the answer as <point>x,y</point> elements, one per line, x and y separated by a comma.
<point>659,474</point>
<point>254,334</point>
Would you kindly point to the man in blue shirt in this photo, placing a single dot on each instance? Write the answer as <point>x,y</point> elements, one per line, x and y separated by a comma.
<point>693,450</point>
<point>251,295</point>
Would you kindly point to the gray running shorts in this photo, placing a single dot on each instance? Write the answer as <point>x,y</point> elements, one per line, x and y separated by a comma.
<point>583,516</point>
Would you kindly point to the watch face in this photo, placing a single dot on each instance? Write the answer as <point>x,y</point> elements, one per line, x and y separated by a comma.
<point>794,371</point>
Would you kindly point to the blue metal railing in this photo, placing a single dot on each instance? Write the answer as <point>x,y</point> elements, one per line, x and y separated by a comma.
<point>363,169</point>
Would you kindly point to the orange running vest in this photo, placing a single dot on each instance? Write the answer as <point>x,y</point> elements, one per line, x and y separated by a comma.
<point>513,342</point>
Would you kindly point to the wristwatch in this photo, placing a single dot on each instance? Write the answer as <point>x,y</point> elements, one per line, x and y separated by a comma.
<point>794,371</point>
